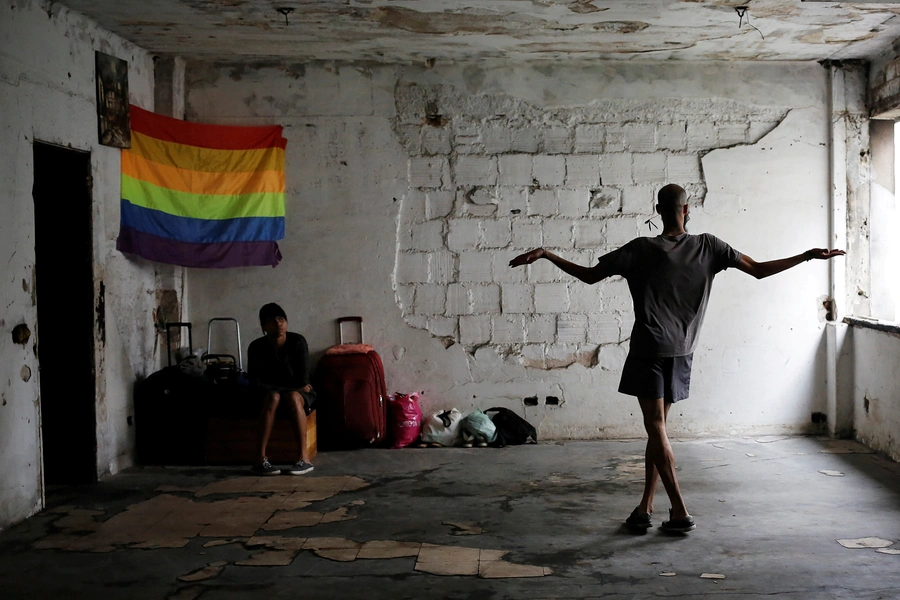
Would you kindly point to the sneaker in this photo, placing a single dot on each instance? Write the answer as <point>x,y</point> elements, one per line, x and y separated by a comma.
<point>300,468</point>
<point>481,444</point>
<point>265,468</point>
<point>639,521</point>
<point>678,525</point>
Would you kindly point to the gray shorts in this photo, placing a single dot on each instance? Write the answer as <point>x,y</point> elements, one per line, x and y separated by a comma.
<point>650,377</point>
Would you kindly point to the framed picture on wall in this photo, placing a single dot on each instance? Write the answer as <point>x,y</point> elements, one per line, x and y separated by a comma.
<point>113,118</point>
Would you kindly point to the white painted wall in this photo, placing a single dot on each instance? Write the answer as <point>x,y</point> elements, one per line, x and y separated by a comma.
<point>368,234</point>
<point>876,389</point>
<point>47,93</point>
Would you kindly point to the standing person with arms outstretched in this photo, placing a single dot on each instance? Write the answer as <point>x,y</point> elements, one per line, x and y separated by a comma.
<point>670,277</point>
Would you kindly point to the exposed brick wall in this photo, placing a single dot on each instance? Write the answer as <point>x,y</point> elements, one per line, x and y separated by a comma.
<point>485,186</point>
<point>884,88</point>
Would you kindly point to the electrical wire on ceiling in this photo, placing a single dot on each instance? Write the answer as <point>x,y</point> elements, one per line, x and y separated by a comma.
<point>742,11</point>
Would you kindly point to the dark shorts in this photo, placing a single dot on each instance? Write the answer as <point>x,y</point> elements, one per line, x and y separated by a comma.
<point>284,406</point>
<point>650,377</point>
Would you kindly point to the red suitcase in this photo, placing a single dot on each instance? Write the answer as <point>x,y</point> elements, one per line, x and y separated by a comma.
<point>349,382</point>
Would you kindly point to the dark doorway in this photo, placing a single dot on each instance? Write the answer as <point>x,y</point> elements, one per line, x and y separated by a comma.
<point>64,285</point>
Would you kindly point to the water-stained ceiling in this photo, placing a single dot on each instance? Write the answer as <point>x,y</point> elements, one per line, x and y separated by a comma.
<point>418,30</point>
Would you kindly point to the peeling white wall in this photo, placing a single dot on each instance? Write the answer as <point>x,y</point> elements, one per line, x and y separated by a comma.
<point>47,93</point>
<point>411,224</point>
<point>875,353</point>
<point>876,389</point>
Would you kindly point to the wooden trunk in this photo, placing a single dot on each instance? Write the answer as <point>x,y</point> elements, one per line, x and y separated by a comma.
<point>236,441</point>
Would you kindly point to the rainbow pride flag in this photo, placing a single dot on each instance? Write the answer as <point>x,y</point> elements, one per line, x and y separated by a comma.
<point>208,196</point>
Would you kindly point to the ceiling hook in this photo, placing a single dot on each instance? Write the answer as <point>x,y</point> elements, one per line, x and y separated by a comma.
<point>285,10</point>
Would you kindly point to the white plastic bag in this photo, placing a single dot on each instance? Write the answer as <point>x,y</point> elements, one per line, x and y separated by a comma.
<point>442,428</point>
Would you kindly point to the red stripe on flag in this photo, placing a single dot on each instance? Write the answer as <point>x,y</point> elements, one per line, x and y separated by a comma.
<point>217,137</point>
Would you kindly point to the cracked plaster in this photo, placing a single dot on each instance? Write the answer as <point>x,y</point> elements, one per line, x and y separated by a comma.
<point>489,128</point>
<point>419,30</point>
<point>168,521</point>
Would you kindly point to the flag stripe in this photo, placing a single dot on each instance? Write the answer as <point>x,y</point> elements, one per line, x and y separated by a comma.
<point>187,254</point>
<point>201,206</point>
<point>248,229</point>
<point>198,182</point>
<point>192,158</point>
<point>220,137</point>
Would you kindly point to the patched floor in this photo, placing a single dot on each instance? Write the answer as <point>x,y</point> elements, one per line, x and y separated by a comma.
<point>539,521</point>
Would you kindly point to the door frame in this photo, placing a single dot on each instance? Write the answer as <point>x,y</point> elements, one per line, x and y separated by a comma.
<point>98,317</point>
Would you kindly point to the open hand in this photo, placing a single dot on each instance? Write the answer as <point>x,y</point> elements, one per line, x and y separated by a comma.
<point>823,253</point>
<point>527,258</point>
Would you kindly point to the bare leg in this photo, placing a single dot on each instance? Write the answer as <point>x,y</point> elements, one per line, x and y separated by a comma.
<point>651,475</point>
<point>266,420</point>
<point>659,452</point>
<point>300,424</point>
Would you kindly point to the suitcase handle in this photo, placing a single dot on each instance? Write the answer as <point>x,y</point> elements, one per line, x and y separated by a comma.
<point>237,330</point>
<point>179,325</point>
<point>340,324</point>
<point>218,358</point>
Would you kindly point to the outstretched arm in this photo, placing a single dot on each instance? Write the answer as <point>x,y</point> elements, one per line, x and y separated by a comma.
<point>771,267</point>
<point>585,274</point>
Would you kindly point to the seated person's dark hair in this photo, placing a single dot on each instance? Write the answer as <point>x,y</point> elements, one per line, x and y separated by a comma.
<point>271,311</point>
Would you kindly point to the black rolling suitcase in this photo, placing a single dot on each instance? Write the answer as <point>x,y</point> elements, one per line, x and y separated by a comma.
<point>168,413</point>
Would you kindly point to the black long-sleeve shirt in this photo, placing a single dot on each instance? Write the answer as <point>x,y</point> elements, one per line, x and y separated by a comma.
<point>286,367</point>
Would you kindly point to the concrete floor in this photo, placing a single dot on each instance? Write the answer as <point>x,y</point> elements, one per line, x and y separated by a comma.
<point>530,522</point>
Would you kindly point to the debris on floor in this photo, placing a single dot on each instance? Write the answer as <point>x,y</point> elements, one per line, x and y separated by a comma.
<point>214,543</point>
<point>295,518</point>
<point>770,439</point>
<point>888,550</point>
<point>187,593</point>
<point>831,473</point>
<point>203,573</point>
<point>464,528</point>
<point>430,558</point>
<point>844,447</point>
<point>866,542</point>
<point>168,521</point>
<point>271,558</point>
<point>712,576</point>
<point>668,574</point>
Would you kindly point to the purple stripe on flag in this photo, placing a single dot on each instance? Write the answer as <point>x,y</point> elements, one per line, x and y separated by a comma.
<point>189,254</point>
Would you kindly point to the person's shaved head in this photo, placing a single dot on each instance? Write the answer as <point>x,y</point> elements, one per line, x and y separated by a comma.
<point>671,200</point>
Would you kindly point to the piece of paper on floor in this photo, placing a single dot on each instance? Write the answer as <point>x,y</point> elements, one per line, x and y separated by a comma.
<point>207,572</point>
<point>464,528</point>
<point>712,576</point>
<point>769,439</point>
<point>888,550</point>
<point>866,542</point>
<point>187,593</point>
<point>831,473</point>
<point>214,543</point>
<point>667,574</point>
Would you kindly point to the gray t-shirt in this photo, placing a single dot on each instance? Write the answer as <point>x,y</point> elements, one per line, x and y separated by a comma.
<point>670,279</point>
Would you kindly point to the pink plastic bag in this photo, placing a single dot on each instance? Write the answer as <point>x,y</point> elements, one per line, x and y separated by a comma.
<point>405,418</point>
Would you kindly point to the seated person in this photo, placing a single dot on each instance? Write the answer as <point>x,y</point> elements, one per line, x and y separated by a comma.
<point>278,365</point>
